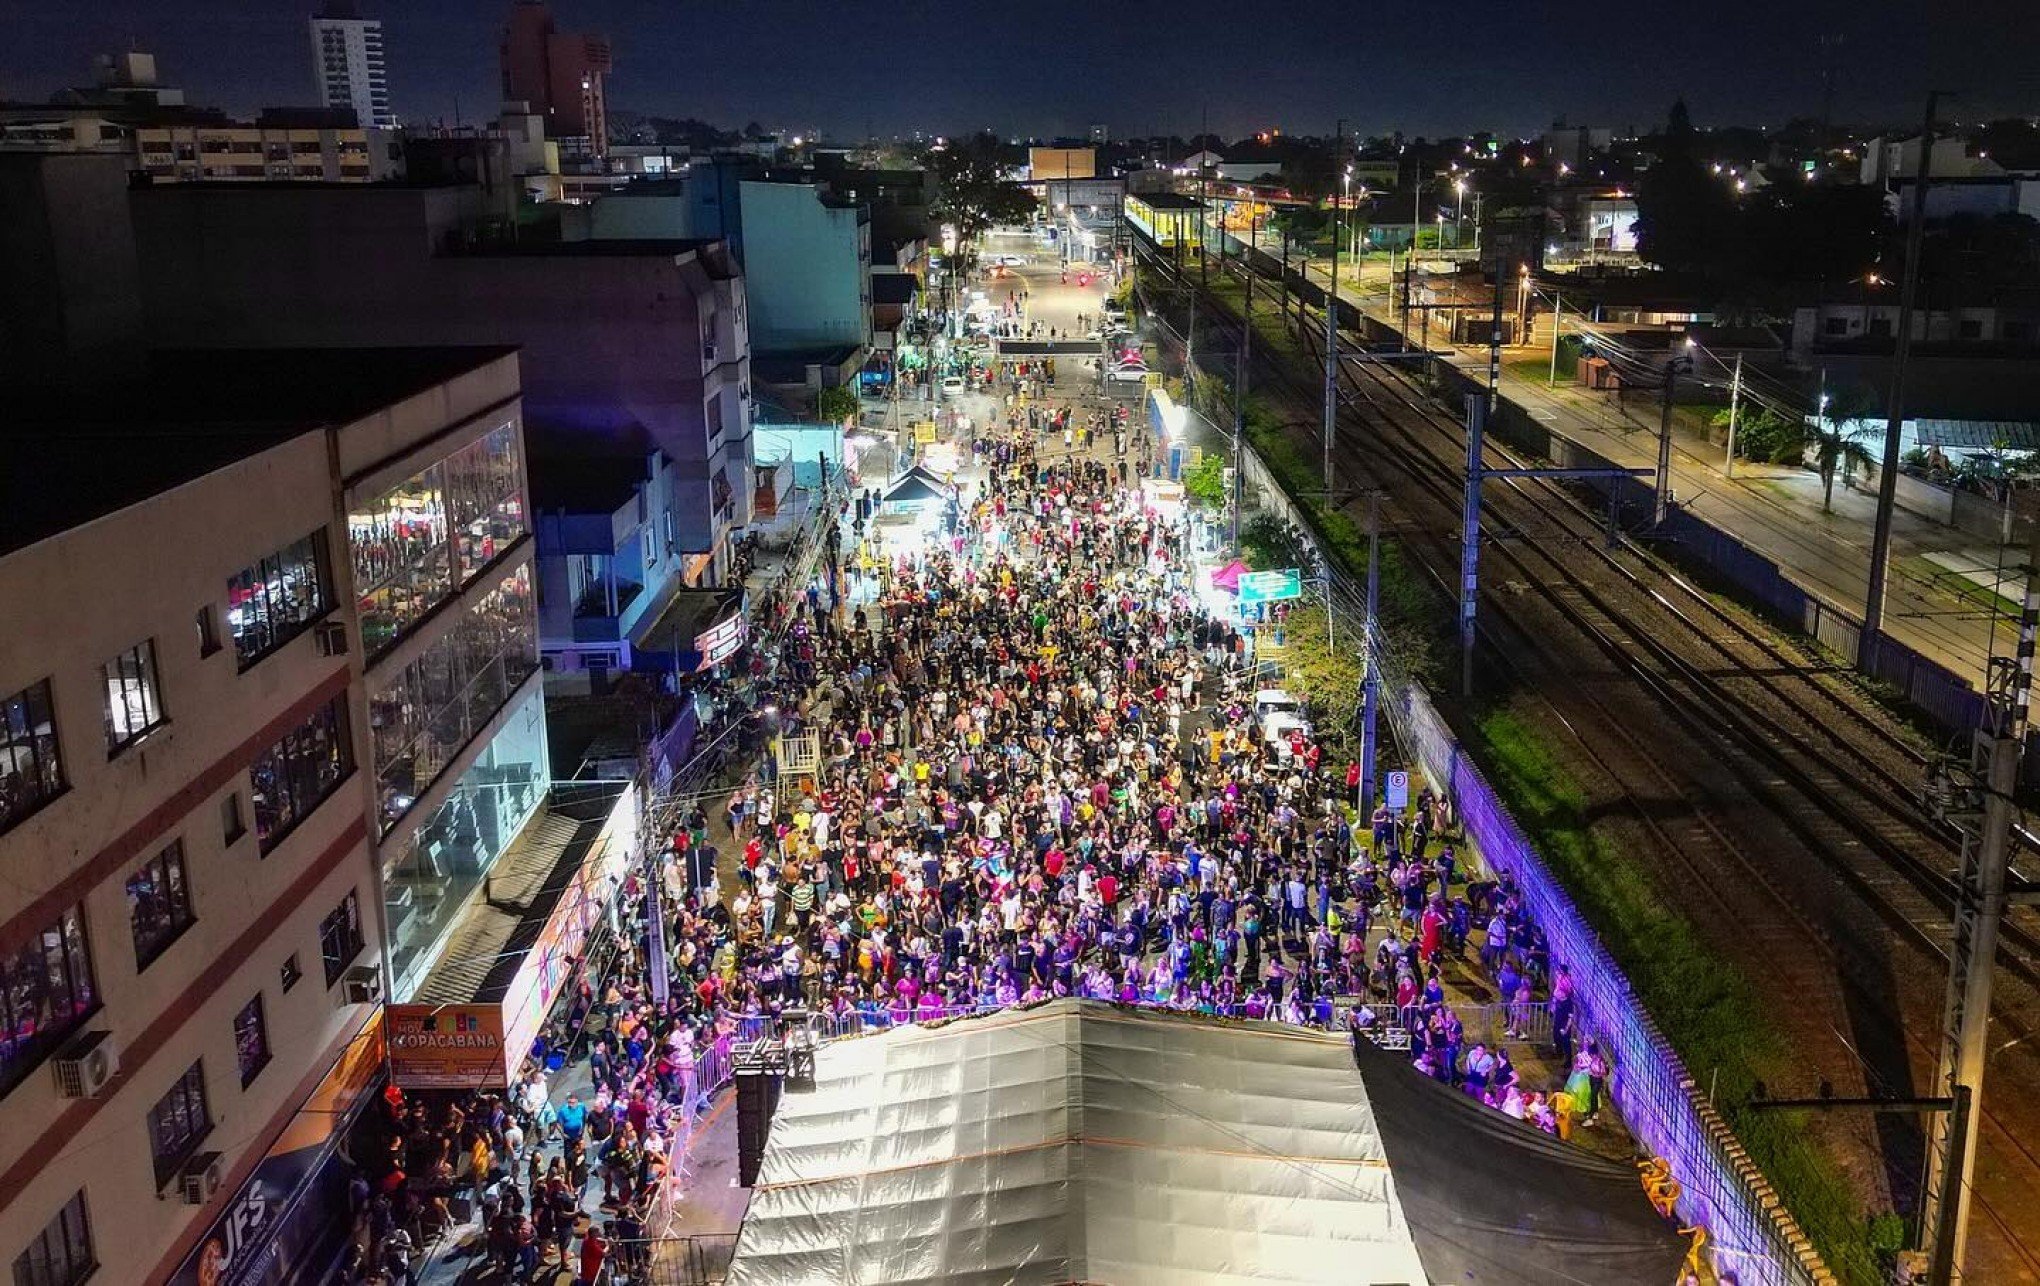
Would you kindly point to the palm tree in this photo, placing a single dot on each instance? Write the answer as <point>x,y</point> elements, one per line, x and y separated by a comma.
<point>1835,437</point>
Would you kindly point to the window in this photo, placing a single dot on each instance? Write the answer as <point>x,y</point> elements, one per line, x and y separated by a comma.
<point>159,904</point>
<point>179,1123</point>
<point>1971,328</point>
<point>288,780</point>
<point>650,541</point>
<point>251,1040</point>
<point>231,826</point>
<point>208,631</point>
<point>134,697</point>
<point>2018,331</point>
<point>291,972</point>
<point>436,704</point>
<point>61,1254</point>
<point>340,937</point>
<point>31,770</point>
<point>1835,326</point>
<point>275,600</point>
<point>46,993</point>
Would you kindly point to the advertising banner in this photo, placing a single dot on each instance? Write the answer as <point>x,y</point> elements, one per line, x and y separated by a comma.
<point>447,1047</point>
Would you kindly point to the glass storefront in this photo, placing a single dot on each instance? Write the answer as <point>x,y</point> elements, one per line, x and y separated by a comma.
<point>427,879</point>
<point>433,707</point>
<point>414,544</point>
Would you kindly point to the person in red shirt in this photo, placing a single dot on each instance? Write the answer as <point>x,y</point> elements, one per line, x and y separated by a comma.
<point>594,1249</point>
<point>1053,863</point>
<point>1353,781</point>
<point>1108,893</point>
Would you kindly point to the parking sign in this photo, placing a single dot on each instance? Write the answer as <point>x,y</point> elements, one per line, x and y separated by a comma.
<point>1398,791</point>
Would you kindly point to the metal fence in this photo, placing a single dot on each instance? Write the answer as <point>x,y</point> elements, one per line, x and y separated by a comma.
<point>699,1259</point>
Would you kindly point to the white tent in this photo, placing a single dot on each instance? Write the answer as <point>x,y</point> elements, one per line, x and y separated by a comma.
<point>1080,1142</point>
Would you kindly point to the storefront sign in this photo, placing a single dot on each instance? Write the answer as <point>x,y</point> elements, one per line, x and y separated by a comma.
<point>720,642</point>
<point>1270,587</point>
<point>246,1244</point>
<point>924,432</point>
<point>447,1047</point>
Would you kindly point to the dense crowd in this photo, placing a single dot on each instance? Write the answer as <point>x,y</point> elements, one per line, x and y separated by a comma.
<point>1039,778</point>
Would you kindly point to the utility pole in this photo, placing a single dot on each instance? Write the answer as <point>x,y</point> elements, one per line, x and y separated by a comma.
<point>1494,367</point>
<point>1894,400</point>
<point>1371,652</point>
<point>1664,444</point>
<point>1469,540</point>
<point>1332,328</point>
<point>1981,897</point>
<point>1240,421</point>
<point>1734,408</point>
<point>1557,311</point>
<point>1203,196</point>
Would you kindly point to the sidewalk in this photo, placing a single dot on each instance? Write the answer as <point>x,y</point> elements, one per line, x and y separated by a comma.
<point>1776,511</point>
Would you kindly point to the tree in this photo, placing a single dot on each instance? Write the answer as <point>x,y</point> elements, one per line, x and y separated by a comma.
<point>836,405</point>
<point>1326,673</point>
<point>1205,480</point>
<point>1268,544</point>
<point>1684,215</point>
<point>973,192</point>
<point>1835,437</point>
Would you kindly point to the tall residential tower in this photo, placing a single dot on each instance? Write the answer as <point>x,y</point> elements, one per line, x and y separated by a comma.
<point>347,59</point>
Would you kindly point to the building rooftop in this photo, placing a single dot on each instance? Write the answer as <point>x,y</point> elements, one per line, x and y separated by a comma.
<point>1167,201</point>
<point>620,248</point>
<point>70,454</point>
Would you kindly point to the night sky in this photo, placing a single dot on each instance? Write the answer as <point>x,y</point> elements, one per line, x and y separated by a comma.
<point>1060,66</point>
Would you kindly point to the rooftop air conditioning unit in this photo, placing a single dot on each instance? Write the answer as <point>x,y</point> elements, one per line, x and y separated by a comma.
<point>85,1065</point>
<point>363,985</point>
<point>331,637</point>
<point>199,1181</point>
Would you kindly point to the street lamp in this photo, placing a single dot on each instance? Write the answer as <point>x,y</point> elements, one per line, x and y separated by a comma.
<point>1459,213</point>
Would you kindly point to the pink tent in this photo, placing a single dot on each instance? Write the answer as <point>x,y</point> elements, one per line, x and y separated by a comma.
<point>1228,577</point>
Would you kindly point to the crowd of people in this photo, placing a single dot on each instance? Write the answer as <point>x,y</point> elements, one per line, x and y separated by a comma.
<point>1039,777</point>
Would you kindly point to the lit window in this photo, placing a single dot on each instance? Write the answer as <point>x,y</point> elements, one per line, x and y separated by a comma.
<point>251,1040</point>
<point>134,697</point>
<point>46,993</point>
<point>179,1123</point>
<point>31,770</point>
<point>159,904</point>
<point>340,938</point>
<point>274,601</point>
<point>291,778</point>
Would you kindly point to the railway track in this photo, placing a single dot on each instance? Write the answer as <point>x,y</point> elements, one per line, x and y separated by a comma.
<point>1838,775</point>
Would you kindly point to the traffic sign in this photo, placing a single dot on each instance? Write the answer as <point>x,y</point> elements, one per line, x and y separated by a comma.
<point>1270,587</point>
<point>1398,791</point>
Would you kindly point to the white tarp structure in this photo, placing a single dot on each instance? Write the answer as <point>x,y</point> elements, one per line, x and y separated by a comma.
<point>1042,1147</point>
<point>1080,1142</point>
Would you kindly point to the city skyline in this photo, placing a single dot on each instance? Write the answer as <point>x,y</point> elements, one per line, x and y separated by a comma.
<point>1278,73</point>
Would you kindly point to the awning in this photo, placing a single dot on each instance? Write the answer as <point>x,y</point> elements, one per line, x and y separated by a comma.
<point>1082,1142</point>
<point>1228,577</point>
<point>916,486</point>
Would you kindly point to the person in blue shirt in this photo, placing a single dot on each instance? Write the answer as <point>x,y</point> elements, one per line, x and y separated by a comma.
<point>573,1119</point>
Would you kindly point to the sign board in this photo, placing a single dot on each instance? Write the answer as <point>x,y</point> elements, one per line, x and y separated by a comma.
<point>1270,587</point>
<point>447,1047</point>
<point>1398,791</point>
<point>249,1243</point>
<point>924,432</point>
<point>720,641</point>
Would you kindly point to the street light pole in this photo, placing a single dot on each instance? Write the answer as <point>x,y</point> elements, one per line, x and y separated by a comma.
<point>1894,400</point>
<point>1371,652</point>
<point>1332,327</point>
<point>1734,406</point>
<point>1557,312</point>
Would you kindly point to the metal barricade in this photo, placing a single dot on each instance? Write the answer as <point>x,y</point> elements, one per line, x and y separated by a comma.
<point>696,1259</point>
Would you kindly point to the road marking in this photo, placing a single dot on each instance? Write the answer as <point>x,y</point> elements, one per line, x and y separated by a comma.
<point>1543,413</point>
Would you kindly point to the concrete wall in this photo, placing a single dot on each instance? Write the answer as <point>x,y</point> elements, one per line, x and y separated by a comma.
<point>807,269</point>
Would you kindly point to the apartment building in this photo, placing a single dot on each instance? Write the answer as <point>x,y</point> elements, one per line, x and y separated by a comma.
<point>347,63</point>
<point>268,611</point>
<point>279,145</point>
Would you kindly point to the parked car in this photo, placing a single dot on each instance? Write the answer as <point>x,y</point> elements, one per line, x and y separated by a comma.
<point>1128,373</point>
<point>954,386</point>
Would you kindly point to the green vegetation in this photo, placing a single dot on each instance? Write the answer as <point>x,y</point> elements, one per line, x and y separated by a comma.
<point>1325,672</point>
<point>1709,1009</point>
<point>836,405</point>
<point>1205,480</point>
<point>1764,436</point>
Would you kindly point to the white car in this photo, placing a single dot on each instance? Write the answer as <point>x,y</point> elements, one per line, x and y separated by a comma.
<point>954,386</point>
<point>1010,261</point>
<point>1128,373</point>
